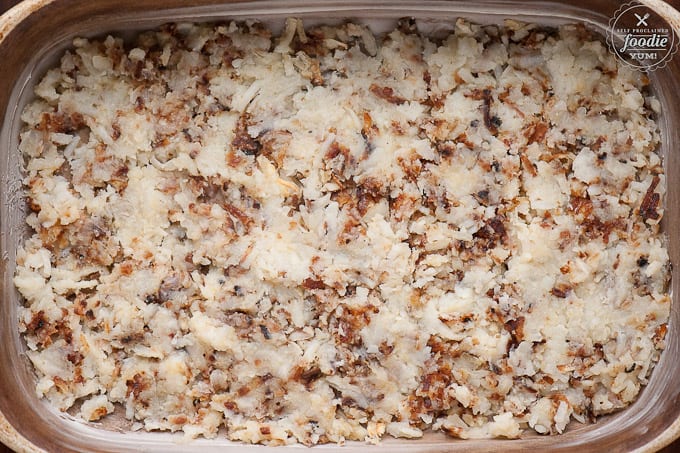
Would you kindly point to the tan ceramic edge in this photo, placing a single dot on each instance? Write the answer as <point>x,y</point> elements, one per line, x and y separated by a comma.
<point>19,12</point>
<point>666,437</point>
<point>8,434</point>
<point>10,437</point>
<point>14,440</point>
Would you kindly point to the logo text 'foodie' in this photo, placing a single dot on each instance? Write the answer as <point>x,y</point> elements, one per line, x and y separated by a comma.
<point>641,38</point>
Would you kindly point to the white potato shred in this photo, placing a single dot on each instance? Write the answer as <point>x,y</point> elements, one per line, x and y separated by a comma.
<point>331,235</point>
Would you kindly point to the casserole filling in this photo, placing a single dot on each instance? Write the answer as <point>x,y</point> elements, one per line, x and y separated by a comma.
<point>327,235</point>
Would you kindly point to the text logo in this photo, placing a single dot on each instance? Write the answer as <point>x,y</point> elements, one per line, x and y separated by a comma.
<point>641,38</point>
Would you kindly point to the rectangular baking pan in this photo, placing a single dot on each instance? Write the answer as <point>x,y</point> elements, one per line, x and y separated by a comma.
<point>34,34</point>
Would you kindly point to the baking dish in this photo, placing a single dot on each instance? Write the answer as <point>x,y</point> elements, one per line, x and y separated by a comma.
<point>32,37</point>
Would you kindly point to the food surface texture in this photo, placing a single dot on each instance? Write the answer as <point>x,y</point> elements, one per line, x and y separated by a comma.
<point>324,234</point>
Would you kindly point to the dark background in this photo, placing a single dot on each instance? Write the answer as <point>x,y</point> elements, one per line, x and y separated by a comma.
<point>674,447</point>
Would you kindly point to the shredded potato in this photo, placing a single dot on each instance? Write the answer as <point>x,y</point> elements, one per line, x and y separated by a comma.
<point>330,235</point>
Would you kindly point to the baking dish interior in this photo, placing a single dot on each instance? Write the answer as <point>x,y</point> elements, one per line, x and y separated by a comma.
<point>37,42</point>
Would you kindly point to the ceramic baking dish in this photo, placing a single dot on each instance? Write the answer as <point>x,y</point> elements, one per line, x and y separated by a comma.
<point>35,33</point>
